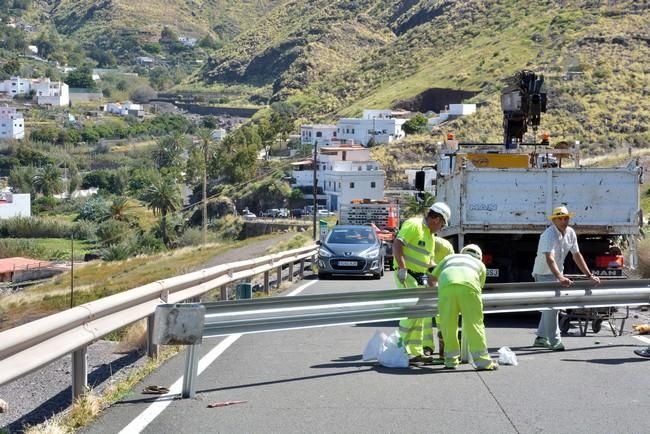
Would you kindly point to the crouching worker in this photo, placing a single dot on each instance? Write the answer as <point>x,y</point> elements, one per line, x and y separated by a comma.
<point>460,280</point>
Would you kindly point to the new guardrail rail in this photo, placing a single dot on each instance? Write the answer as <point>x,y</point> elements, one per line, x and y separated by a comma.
<point>33,345</point>
<point>189,323</point>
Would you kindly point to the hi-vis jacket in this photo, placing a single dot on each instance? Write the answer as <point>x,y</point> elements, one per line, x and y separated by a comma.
<point>460,269</point>
<point>418,244</point>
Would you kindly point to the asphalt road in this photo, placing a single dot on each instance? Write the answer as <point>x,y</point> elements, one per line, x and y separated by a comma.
<point>314,380</point>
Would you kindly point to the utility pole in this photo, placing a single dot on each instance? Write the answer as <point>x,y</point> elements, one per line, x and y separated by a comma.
<point>315,190</point>
<point>71,270</point>
<point>205,194</point>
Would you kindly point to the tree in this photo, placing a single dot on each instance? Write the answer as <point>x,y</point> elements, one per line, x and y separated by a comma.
<point>81,77</point>
<point>143,94</point>
<point>418,206</point>
<point>47,180</point>
<point>21,178</point>
<point>162,197</point>
<point>168,35</point>
<point>416,125</point>
<point>119,209</point>
<point>168,153</point>
<point>12,66</point>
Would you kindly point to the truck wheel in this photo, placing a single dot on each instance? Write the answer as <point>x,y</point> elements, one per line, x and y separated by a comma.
<point>596,325</point>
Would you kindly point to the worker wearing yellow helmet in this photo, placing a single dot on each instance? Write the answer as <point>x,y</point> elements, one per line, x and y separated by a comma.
<point>460,281</point>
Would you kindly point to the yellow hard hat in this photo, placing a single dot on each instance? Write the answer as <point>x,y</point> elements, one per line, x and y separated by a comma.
<point>560,211</point>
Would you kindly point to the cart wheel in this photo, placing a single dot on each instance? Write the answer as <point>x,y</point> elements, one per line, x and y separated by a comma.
<point>565,324</point>
<point>596,324</point>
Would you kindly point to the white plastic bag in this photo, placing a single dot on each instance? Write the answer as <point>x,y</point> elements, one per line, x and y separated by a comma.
<point>507,357</point>
<point>394,355</point>
<point>375,346</point>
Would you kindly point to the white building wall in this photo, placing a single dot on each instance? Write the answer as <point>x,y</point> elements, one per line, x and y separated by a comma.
<point>461,109</point>
<point>12,124</point>
<point>362,130</point>
<point>16,86</point>
<point>321,134</point>
<point>51,93</point>
<point>17,205</point>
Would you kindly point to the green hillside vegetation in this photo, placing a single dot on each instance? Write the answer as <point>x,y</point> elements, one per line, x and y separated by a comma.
<point>460,45</point>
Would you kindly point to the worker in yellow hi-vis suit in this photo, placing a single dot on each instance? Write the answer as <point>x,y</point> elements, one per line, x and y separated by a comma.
<point>413,252</point>
<point>460,282</point>
<point>443,249</point>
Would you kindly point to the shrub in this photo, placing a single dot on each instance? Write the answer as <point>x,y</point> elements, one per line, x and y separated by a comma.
<point>28,248</point>
<point>227,228</point>
<point>95,209</point>
<point>117,252</point>
<point>194,237</point>
<point>34,227</point>
<point>112,232</point>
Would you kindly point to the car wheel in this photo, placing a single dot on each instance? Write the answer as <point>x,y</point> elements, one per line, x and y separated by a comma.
<point>377,276</point>
<point>323,276</point>
<point>381,273</point>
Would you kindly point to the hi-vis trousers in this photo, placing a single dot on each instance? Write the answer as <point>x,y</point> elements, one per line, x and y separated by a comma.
<point>415,333</point>
<point>455,299</point>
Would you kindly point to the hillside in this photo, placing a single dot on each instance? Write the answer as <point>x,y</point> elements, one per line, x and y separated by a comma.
<point>87,18</point>
<point>316,54</point>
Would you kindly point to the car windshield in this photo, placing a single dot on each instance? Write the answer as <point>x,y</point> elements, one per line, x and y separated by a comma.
<point>352,236</point>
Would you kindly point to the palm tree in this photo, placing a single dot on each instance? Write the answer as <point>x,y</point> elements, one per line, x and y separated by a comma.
<point>163,196</point>
<point>47,180</point>
<point>418,205</point>
<point>119,208</point>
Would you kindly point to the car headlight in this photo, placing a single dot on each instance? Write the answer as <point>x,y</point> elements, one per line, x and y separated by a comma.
<point>324,253</point>
<point>372,253</point>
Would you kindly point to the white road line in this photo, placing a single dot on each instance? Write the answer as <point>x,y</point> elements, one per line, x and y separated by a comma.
<point>642,338</point>
<point>160,404</point>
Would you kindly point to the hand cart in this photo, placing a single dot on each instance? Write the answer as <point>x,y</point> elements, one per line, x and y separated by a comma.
<point>615,317</point>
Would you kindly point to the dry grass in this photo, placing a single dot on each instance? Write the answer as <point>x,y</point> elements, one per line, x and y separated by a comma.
<point>134,338</point>
<point>644,258</point>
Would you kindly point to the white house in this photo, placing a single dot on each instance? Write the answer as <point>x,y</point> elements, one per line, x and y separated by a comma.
<point>33,49</point>
<point>16,86</point>
<point>144,60</point>
<point>54,93</point>
<point>187,41</point>
<point>375,125</point>
<point>346,172</point>
<point>12,124</point>
<point>218,134</point>
<point>453,111</point>
<point>122,109</point>
<point>14,205</point>
<point>322,135</point>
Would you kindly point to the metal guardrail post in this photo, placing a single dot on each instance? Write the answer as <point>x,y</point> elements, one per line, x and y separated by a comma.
<point>79,372</point>
<point>266,283</point>
<point>191,371</point>
<point>278,277</point>
<point>152,349</point>
<point>290,271</point>
<point>302,268</point>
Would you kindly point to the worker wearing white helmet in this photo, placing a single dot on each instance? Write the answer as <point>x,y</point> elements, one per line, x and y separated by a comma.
<point>460,281</point>
<point>413,253</point>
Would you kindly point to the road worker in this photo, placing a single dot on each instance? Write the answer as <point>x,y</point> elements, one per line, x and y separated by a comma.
<point>460,280</point>
<point>413,253</point>
<point>554,245</point>
<point>443,249</point>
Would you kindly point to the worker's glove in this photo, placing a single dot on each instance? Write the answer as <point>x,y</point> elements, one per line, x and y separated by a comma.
<point>401,275</point>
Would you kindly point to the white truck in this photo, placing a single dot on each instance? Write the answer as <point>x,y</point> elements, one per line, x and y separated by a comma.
<point>504,210</point>
<point>500,196</point>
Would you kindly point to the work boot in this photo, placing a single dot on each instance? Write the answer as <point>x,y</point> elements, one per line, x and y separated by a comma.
<point>493,366</point>
<point>421,360</point>
<point>541,342</point>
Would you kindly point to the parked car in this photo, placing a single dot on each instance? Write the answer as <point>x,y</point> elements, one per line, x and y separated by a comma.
<point>324,213</point>
<point>273,213</point>
<point>351,250</point>
<point>284,213</point>
<point>249,215</point>
<point>297,212</point>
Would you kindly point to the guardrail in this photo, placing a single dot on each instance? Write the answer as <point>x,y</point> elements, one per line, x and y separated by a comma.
<point>33,345</point>
<point>187,324</point>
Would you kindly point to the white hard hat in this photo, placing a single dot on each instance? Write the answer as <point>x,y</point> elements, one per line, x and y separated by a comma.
<point>442,209</point>
<point>473,250</point>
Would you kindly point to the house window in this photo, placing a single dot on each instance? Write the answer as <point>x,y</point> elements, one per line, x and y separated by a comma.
<point>334,134</point>
<point>373,184</point>
<point>352,185</point>
<point>347,131</point>
<point>352,130</point>
<point>339,185</point>
<point>319,134</point>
